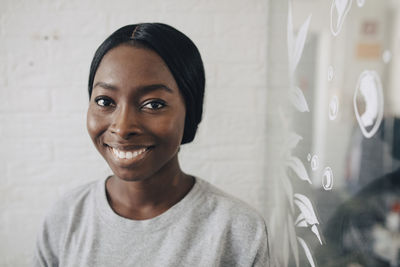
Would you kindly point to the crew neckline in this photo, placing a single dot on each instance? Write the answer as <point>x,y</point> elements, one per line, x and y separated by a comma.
<point>120,223</point>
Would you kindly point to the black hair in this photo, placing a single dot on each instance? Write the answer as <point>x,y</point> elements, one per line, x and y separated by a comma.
<point>180,55</point>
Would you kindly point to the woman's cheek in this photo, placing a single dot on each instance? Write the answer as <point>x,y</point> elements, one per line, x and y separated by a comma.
<point>172,128</point>
<point>94,124</point>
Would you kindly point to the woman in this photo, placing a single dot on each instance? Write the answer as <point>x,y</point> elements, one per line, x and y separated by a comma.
<point>146,88</point>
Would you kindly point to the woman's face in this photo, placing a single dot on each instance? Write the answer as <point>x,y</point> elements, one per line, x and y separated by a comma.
<point>136,113</point>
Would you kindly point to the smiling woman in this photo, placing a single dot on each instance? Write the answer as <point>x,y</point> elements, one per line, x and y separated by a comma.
<point>136,109</point>
<point>146,88</point>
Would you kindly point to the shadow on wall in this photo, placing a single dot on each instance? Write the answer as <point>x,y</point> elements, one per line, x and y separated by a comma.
<point>365,230</point>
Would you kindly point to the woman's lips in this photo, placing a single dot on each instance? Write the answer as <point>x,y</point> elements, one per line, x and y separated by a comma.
<point>128,156</point>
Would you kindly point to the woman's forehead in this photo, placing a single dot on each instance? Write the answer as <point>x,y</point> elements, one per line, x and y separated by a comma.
<point>126,64</point>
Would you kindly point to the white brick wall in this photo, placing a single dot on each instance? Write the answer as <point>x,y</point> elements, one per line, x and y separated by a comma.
<point>45,50</point>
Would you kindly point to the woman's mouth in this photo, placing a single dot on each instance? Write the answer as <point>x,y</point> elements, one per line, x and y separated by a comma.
<point>128,156</point>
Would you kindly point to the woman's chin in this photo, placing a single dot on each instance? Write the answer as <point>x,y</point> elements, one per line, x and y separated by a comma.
<point>128,177</point>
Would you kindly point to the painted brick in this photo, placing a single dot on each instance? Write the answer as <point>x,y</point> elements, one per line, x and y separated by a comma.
<point>52,172</point>
<point>228,128</point>
<point>75,149</point>
<point>20,100</point>
<point>243,75</point>
<point>48,126</point>
<point>62,23</point>
<point>19,232</point>
<point>73,99</point>
<point>28,149</point>
<point>222,101</point>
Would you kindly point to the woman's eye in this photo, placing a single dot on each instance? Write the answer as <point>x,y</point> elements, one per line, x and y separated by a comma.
<point>103,102</point>
<point>154,105</point>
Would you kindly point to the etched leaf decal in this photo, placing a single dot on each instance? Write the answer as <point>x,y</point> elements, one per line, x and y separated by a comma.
<point>306,251</point>
<point>340,8</point>
<point>300,41</point>
<point>298,167</point>
<point>293,140</point>
<point>298,100</point>
<point>314,229</point>
<point>301,221</point>
<point>295,50</point>
<point>292,239</point>
<point>306,208</point>
<point>307,215</point>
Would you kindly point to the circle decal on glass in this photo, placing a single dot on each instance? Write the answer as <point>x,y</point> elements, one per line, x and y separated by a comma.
<point>333,108</point>
<point>368,102</point>
<point>339,10</point>
<point>327,178</point>
<point>314,163</point>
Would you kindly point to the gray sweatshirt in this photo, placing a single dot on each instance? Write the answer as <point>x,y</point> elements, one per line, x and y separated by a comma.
<point>206,228</point>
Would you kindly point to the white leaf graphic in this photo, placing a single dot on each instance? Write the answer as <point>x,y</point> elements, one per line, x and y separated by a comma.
<point>314,229</point>
<point>340,9</point>
<point>298,100</point>
<point>301,221</point>
<point>297,166</point>
<point>306,251</point>
<point>292,239</point>
<point>300,41</point>
<point>306,208</point>
<point>295,50</point>
<point>293,140</point>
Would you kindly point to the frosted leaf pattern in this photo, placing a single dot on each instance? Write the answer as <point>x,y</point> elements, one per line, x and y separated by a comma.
<point>306,251</point>
<point>297,166</point>
<point>298,100</point>
<point>296,45</point>
<point>339,10</point>
<point>306,208</point>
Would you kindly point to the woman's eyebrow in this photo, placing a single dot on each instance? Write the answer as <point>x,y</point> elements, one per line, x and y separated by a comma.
<point>105,86</point>
<point>154,87</point>
<point>141,89</point>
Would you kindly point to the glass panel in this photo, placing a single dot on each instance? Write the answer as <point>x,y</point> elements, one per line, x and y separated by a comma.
<point>337,191</point>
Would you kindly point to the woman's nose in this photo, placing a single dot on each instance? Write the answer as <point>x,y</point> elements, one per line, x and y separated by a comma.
<point>125,123</point>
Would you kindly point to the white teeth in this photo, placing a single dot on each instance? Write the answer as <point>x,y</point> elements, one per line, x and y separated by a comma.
<point>127,154</point>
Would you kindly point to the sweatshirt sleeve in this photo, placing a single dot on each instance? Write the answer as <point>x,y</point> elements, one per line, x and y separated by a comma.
<point>262,258</point>
<point>46,251</point>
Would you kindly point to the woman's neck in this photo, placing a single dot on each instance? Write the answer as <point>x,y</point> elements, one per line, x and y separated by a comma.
<point>150,197</point>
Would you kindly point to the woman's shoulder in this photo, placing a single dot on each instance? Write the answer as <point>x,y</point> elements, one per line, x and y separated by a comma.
<point>238,224</point>
<point>67,210</point>
<point>72,201</point>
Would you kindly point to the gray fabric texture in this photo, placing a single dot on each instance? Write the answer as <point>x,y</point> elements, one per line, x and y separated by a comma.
<point>206,228</point>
